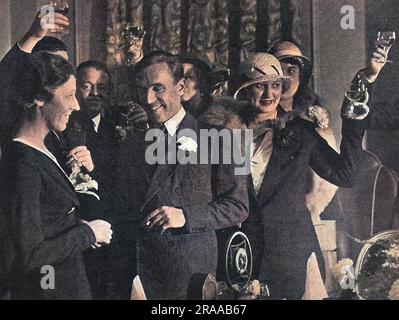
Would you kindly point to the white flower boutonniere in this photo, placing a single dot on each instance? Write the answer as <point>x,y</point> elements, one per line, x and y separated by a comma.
<point>187,144</point>
<point>83,183</point>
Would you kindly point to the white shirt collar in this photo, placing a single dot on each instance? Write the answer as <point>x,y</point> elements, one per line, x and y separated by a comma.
<point>173,123</point>
<point>96,120</point>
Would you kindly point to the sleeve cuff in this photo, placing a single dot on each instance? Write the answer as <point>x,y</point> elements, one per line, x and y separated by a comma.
<point>355,111</point>
<point>89,236</point>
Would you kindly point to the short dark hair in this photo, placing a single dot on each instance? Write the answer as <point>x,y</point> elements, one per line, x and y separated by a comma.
<point>95,64</point>
<point>43,73</point>
<point>156,57</point>
<point>50,44</point>
<point>201,67</point>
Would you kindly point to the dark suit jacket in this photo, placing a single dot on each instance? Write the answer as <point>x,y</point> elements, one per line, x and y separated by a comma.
<point>280,226</point>
<point>212,198</point>
<point>103,147</point>
<point>38,202</point>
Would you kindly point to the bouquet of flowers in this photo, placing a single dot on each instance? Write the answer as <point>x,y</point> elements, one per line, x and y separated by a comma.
<point>83,183</point>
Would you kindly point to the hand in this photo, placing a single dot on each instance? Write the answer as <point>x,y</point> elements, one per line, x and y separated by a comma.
<point>166,217</point>
<point>136,49</point>
<point>82,156</point>
<point>41,26</point>
<point>377,62</point>
<point>102,231</point>
<point>137,116</point>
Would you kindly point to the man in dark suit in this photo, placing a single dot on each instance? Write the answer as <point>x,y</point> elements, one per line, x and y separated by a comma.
<point>175,208</point>
<point>92,126</point>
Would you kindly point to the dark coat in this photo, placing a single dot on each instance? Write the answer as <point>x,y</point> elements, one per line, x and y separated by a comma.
<point>280,226</point>
<point>39,205</point>
<point>102,146</point>
<point>12,64</point>
<point>211,197</point>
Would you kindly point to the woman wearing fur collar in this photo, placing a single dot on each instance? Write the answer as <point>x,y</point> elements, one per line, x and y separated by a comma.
<point>301,98</point>
<point>285,146</point>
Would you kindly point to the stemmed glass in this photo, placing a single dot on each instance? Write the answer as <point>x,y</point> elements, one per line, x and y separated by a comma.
<point>60,6</point>
<point>356,92</point>
<point>385,39</point>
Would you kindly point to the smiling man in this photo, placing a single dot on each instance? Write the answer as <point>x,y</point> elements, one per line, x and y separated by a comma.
<point>178,207</point>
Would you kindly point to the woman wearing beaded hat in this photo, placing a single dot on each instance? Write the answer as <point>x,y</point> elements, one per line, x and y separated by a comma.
<point>285,146</point>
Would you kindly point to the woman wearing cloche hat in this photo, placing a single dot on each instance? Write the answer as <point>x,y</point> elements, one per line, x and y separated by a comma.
<point>285,146</point>
<point>302,99</point>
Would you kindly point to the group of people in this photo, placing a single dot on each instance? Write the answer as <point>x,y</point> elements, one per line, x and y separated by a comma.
<point>127,217</point>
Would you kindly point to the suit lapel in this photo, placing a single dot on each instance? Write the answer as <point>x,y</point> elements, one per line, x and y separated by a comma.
<point>164,171</point>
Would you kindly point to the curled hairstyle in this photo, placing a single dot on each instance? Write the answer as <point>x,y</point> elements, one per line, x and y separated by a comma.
<point>157,57</point>
<point>242,95</point>
<point>43,73</point>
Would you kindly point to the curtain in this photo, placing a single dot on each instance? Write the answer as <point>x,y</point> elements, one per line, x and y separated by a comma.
<point>221,32</point>
<point>206,28</point>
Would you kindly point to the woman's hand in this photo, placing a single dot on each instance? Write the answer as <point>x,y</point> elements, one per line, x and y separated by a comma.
<point>41,26</point>
<point>377,61</point>
<point>82,156</point>
<point>102,231</point>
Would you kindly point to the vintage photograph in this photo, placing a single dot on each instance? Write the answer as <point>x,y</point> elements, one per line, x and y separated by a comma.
<point>199,150</point>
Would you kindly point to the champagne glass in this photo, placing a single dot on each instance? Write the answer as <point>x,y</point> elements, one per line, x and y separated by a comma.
<point>133,37</point>
<point>385,40</point>
<point>356,92</point>
<point>60,6</point>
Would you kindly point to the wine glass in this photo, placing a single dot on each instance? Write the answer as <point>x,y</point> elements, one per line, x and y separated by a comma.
<point>385,40</point>
<point>133,37</point>
<point>356,92</point>
<point>60,6</point>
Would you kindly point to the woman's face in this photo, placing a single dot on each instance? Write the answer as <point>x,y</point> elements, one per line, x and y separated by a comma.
<point>58,110</point>
<point>265,96</point>
<point>291,70</point>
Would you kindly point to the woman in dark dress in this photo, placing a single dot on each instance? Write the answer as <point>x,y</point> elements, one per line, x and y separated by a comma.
<point>37,199</point>
<point>279,225</point>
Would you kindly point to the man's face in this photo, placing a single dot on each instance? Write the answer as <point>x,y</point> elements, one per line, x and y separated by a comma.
<point>159,93</point>
<point>265,96</point>
<point>191,82</point>
<point>93,91</point>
